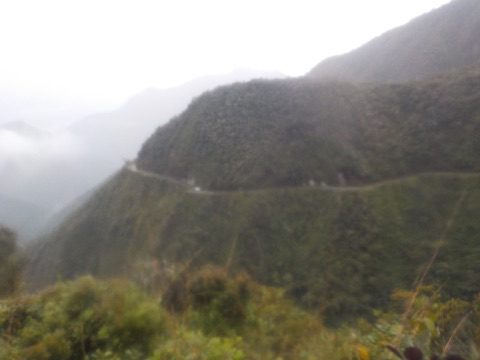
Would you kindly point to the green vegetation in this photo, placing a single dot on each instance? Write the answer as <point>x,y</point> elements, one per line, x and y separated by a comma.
<point>223,317</point>
<point>288,132</point>
<point>337,193</point>
<point>341,252</point>
<point>443,40</point>
<point>319,203</point>
<point>10,263</point>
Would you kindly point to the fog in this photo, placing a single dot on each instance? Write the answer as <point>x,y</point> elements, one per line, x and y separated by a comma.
<point>34,164</point>
<point>15,146</point>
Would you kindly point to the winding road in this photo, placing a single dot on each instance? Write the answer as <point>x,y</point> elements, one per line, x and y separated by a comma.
<point>132,167</point>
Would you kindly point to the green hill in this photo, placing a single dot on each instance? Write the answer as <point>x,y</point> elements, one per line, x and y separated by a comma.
<point>286,133</point>
<point>443,40</point>
<point>404,160</point>
<point>341,250</point>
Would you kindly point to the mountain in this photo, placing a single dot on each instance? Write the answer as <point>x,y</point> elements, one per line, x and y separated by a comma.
<point>443,40</point>
<point>286,133</point>
<point>339,193</point>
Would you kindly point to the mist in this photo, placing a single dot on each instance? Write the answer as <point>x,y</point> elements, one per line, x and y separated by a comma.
<point>31,156</point>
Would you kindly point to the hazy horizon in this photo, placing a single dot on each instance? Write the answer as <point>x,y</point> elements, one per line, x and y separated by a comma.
<point>92,56</point>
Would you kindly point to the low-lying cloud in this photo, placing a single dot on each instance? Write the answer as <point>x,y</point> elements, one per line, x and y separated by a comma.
<point>29,153</point>
<point>39,167</point>
<point>60,145</point>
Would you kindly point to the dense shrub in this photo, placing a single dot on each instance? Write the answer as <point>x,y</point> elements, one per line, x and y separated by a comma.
<point>80,319</point>
<point>227,317</point>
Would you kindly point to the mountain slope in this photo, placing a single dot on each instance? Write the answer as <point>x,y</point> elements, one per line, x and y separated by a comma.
<point>438,42</point>
<point>342,248</point>
<point>289,132</point>
<point>344,251</point>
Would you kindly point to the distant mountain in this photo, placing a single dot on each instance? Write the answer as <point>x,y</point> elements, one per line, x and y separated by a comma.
<point>443,40</point>
<point>337,192</point>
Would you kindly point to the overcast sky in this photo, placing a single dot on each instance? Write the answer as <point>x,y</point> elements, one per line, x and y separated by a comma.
<point>106,50</point>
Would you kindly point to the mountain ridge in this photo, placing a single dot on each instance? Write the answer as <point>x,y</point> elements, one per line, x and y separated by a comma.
<point>440,41</point>
<point>250,138</point>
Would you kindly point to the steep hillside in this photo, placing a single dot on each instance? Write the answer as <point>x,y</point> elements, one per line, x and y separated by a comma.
<point>343,250</point>
<point>395,178</point>
<point>443,40</point>
<point>264,134</point>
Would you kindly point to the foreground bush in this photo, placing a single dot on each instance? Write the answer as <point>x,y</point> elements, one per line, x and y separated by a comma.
<point>221,317</point>
<point>84,319</point>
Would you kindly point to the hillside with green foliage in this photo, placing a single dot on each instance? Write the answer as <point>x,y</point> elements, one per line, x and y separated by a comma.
<point>339,251</point>
<point>285,219</point>
<point>443,40</point>
<point>285,133</point>
<point>337,193</point>
<point>210,315</point>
